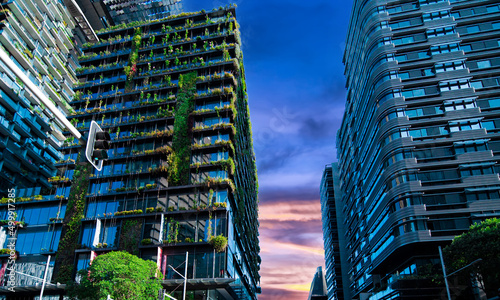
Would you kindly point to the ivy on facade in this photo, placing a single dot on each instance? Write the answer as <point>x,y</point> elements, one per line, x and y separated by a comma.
<point>72,224</point>
<point>180,159</point>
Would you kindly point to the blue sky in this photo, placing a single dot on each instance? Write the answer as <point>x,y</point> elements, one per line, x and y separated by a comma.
<point>293,60</point>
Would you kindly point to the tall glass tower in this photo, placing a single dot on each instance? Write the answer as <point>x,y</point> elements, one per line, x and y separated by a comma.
<point>419,143</point>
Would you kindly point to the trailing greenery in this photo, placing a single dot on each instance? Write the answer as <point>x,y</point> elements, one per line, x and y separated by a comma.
<point>481,241</point>
<point>219,242</point>
<point>120,275</point>
<point>179,161</point>
<point>129,237</point>
<point>131,68</point>
<point>70,233</point>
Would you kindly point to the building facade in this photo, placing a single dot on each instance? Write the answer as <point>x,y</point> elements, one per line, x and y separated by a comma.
<point>103,14</point>
<point>37,50</point>
<point>181,176</point>
<point>318,290</point>
<point>332,234</point>
<point>419,143</point>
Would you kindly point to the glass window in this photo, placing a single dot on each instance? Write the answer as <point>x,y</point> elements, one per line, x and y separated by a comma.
<point>483,64</point>
<point>473,29</point>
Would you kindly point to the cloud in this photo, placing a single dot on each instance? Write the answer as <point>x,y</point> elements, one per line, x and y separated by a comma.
<point>282,294</point>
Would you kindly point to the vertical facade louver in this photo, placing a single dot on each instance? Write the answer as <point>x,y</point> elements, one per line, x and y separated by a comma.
<point>181,174</point>
<point>419,143</point>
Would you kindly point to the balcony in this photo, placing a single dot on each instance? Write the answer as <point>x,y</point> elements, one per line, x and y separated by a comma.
<point>14,47</point>
<point>24,18</point>
<point>20,126</point>
<point>5,127</point>
<point>47,172</point>
<point>11,161</point>
<point>11,88</point>
<point>22,32</point>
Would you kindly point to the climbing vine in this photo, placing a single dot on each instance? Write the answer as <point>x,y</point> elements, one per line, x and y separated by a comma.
<point>131,68</point>
<point>130,236</point>
<point>70,233</point>
<point>179,161</point>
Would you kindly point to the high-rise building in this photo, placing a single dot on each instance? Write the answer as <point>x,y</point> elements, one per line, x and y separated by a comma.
<point>103,14</point>
<point>318,286</point>
<point>332,235</point>
<point>36,39</point>
<point>419,142</point>
<point>181,177</point>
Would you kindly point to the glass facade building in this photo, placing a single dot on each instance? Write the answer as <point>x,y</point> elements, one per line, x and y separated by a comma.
<point>181,170</point>
<point>332,234</point>
<point>418,147</point>
<point>37,41</point>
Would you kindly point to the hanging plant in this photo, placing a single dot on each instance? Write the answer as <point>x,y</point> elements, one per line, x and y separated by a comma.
<point>219,243</point>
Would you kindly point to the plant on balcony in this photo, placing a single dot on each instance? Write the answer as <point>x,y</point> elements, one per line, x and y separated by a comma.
<point>219,242</point>
<point>146,242</point>
<point>19,224</point>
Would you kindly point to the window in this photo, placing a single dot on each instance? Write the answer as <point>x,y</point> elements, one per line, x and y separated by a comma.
<point>470,146</point>
<point>398,156</point>
<point>440,31</point>
<point>489,103</point>
<point>425,91</point>
<point>483,64</point>
<point>436,153</point>
<point>412,56</point>
<point>428,131</point>
<point>403,40</point>
<point>406,23</point>
<point>437,176</point>
<point>454,85</point>
<point>416,73</point>
<point>436,15</point>
<point>388,95</point>
<point>491,125</point>
<point>394,136</point>
<point>449,66</point>
<point>392,115</point>
<point>384,78</point>
<point>424,111</point>
<point>445,48</point>
<point>486,83</point>
<point>459,104</point>
<point>464,125</point>
<point>414,93</point>
<point>482,195</point>
<point>473,29</point>
<point>476,169</point>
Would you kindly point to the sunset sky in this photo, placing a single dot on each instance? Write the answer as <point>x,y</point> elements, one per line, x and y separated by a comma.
<point>293,60</point>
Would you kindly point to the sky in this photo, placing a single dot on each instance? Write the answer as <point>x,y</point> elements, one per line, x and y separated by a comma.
<point>296,87</point>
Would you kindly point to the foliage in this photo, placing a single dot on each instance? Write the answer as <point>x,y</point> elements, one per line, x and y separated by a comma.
<point>179,162</point>
<point>130,234</point>
<point>219,242</point>
<point>120,275</point>
<point>481,241</point>
<point>72,221</point>
<point>173,231</point>
<point>131,68</point>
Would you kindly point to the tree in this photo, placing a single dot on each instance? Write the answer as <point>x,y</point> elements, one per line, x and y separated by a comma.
<point>482,241</point>
<point>119,274</point>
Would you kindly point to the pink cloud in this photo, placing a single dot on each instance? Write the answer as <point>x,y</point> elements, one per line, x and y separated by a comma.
<point>291,248</point>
